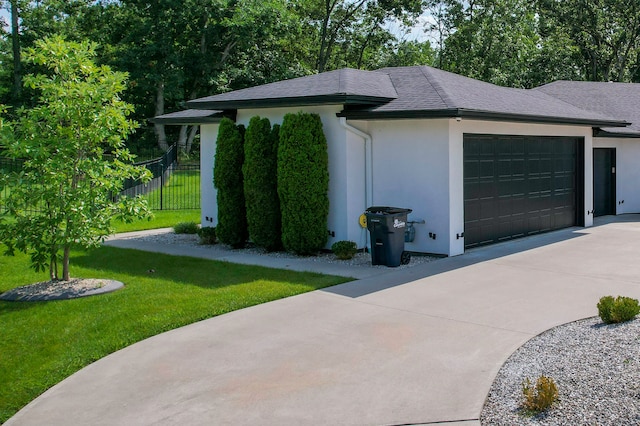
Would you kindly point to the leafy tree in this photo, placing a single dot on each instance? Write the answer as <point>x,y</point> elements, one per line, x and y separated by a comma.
<point>605,33</point>
<point>261,184</point>
<point>228,180</point>
<point>303,183</point>
<point>491,40</point>
<point>63,197</point>
<point>346,32</point>
<point>407,53</point>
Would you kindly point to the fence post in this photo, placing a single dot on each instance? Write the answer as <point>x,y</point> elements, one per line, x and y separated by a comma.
<point>161,181</point>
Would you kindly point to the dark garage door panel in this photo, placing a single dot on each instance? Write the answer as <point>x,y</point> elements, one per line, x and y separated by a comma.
<point>516,186</point>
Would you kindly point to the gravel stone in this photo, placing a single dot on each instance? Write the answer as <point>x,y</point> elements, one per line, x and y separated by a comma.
<point>595,366</point>
<point>359,260</point>
<point>61,290</point>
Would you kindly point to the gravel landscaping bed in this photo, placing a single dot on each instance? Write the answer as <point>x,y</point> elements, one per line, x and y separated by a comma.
<point>61,290</point>
<point>595,366</point>
<point>359,260</point>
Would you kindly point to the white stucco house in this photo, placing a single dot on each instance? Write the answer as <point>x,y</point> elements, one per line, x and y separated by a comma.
<point>478,163</point>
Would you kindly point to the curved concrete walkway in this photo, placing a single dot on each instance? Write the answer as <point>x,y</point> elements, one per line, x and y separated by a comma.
<point>422,345</point>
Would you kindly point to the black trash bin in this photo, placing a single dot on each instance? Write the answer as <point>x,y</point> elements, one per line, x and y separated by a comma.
<point>386,226</point>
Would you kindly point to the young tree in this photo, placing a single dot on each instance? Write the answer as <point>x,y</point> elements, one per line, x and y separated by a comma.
<point>63,196</point>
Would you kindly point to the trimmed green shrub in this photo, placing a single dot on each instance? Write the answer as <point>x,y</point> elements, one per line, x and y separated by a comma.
<point>186,228</point>
<point>344,250</point>
<point>228,180</point>
<point>207,235</point>
<point>303,183</point>
<point>261,183</point>
<point>616,310</point>
<point>541,397</point>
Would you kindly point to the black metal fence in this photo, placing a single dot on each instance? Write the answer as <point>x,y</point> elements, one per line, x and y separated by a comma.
<point>174,186</point>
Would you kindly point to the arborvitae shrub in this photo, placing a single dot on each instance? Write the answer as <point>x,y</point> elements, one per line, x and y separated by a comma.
<point>227,178</point>
<point>616,310</point>
<point>303,183</point>
<point>261,183</point>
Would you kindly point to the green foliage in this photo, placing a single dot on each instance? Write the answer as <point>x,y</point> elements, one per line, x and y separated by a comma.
<point>186,228</point>
<point>617,310</point>
<point>207,235</point>
<point>49,341</point>
<point>228,180</point>
<point>261,184</point>
<point>303,183</point>
<point>540,397</point>
<point>604,41</point>
<point>62,197</point>
<point>344,250</point>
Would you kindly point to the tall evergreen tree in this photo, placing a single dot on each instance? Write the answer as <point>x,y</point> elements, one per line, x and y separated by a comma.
<point>261,183</point>
<point>228,180</point>
<point>303,183</point>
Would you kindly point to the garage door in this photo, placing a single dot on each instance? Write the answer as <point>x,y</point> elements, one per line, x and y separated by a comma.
<point>515,186</point>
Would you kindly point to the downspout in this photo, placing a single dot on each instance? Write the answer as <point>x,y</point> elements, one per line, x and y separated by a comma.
<point>368,164</point>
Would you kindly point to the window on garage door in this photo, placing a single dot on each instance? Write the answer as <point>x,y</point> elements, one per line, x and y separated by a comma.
<point>515,186</point>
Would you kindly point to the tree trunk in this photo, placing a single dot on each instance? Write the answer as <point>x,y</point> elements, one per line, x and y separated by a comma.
<point>159,128</point>
<point>182,139</point>
<point>17,65</point>
<point>192,134</point>
<point>53,268</point>
<point>65,263</point>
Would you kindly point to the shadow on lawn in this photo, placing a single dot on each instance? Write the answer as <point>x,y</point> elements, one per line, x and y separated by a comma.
<point>113,263</point>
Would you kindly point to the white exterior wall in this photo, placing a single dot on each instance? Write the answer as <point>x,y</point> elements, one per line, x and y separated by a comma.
<point>627,172</point>
<point>208,194</point>
<point>410,169</point>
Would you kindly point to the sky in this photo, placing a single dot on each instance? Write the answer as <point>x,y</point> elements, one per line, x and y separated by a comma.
<point>4,15</point>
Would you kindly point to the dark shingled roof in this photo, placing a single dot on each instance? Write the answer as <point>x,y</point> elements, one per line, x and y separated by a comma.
<point>190,116</point>
<point>426,92</point>
<point>411,92</point>
<point>621,100</point>
<point>342,86</point>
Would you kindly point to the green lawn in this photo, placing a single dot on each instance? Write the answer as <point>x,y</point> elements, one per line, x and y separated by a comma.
<point>44,342</point>
<point>161,219</point>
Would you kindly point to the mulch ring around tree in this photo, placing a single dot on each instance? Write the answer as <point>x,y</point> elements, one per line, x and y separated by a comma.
<point>61,290</point>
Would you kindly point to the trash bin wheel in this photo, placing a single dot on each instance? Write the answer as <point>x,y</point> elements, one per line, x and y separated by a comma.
<point>405,258</point>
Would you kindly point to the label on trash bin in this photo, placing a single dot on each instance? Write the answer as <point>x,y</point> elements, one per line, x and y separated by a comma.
<point>397,223</point>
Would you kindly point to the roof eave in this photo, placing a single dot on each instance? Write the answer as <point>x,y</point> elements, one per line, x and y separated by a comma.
<point>169,119</point>
<point>601,133</point>
<point>480,115</point>
<point>334,99</point>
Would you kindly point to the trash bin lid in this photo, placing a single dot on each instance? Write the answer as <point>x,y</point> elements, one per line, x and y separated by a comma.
<point>387,210</point>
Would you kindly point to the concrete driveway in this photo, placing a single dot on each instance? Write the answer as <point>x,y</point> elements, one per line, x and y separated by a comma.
<point>420,345</point>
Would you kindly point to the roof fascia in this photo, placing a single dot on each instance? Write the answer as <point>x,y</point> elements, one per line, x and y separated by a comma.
<point>342,99</point>
<point>480,115</point>
<point>599,133</point>
<point>181,121</point>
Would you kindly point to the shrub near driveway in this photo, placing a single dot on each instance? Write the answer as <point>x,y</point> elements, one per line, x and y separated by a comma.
<point>48,341</point>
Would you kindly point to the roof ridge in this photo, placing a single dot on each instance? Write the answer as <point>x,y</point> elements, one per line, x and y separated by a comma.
<point>440,91</point>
